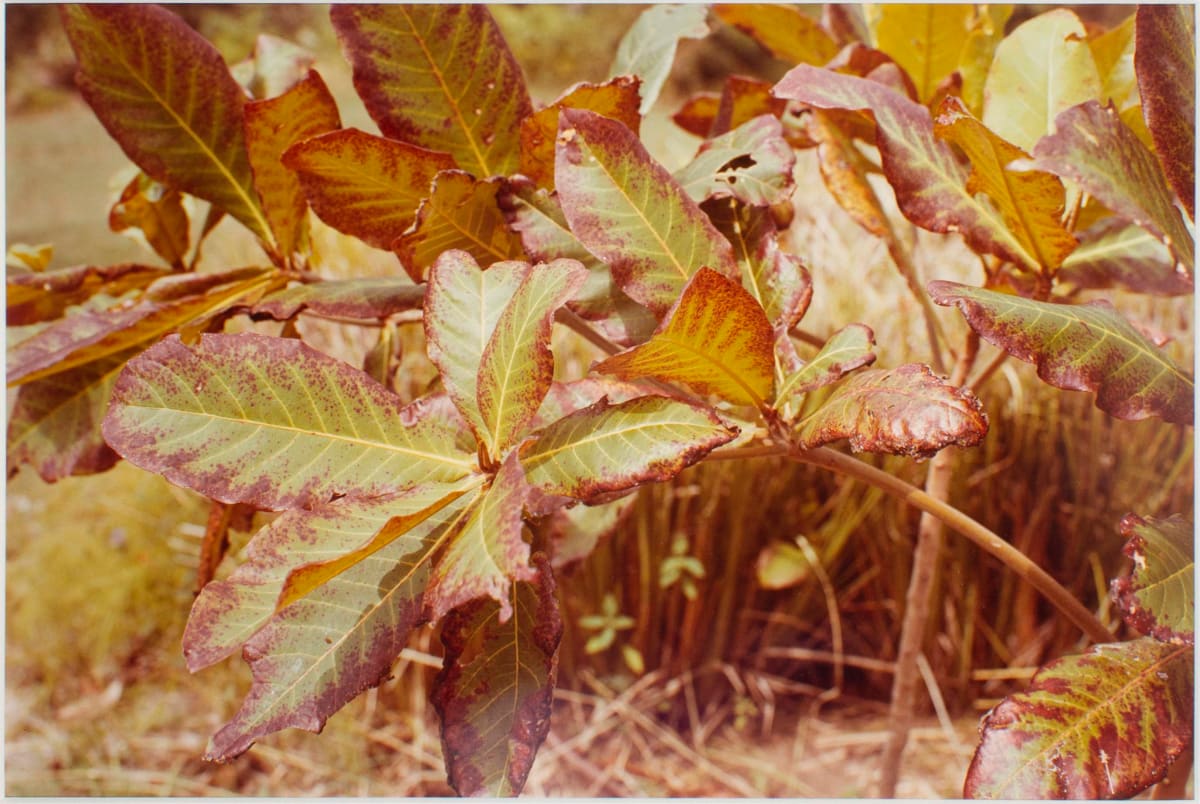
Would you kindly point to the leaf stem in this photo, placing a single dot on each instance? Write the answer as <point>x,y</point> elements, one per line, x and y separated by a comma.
<point>572,321</point>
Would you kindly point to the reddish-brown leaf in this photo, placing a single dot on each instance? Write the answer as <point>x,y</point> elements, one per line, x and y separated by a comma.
<point>1158,596</point>
<point>846,350</point>
<point>1164,58</point>
<point>273,126</point>
<point>363,185</point>
<point>698,112</point>
<point>157,211</point>
<point>46,295</point>
<point>361,299</point>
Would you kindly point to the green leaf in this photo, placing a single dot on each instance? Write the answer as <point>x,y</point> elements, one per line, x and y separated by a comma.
<point>438,76</point>
<point>517,366</point>
<point>365,186</point>
<point>753,163</point>
<point>496,692</point>
<point>785,31</point>
<point>901,411</point>
<point>846,350</point>
<point>272,422</point>
<point>462,305</point>
<point>319,653</point>
<point>1105,724</point>
<point>460,213</point>
<point>628,211</point>
<point>1157,597</point>
<point>925,39</point>
<point>1095,149</point>
<point>46,295</point>
<point>782,565</point>
<point>1114,253</point>
<point>272,126</point>
<point>1040,69</point>
<point>228,612</point>
<point>716,339</point>
<point>165,95</point>
<point>1165,56</point>
<point>1087,347</point>
<point>605,448</point>
<point>156,210</point>
<point>648,48</point>
<point>930,183</point>
<point>363,299</point>
<point>166,306</point>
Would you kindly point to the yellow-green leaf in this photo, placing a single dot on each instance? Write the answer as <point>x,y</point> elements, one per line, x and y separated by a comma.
<point>1158,596</point>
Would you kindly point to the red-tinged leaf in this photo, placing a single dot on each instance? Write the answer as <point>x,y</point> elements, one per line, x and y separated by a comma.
<point>517,366</point>
<point>785,31</point>
<point>460,213</point>
<point>361,299</point>
<point>363,185</point>
<point>496,690</point>
<point>565,398</point>
<point>90,335</point>
<point>628,211</point>
<point>156,210</point>
<point>846,350</point>
<point>222,518</point>
<point>1105,724</point>
<point>617,98</point>
<point>752,163</point>
<point>929,181</point>
<point>54,423</point>
<point>275,66</point>
<point>487,550</point>
<point>438,76</point>
<point>1040,69</point>
<point>321,652</point>
<point>462,305</point>
<point>900,411</point>
<point>1095,149</point>
<point>925,39</point>
<point>648,48</point>
<point>1031,201</point>
<point>776,279</point>
<point>605,448</point>
<point>697,114</point>
<point>1165,56</point>
<point>716,339</point>
<point>1086,347</point>
<point>272,422</point>
<point>1157,597</point>
<point>742,100</point>
<point>575,532</point>
<point>272,127</point>
<point>165,95</point>
<point>228,612</point>
<point>1114,253</point>
<point>46,295</point>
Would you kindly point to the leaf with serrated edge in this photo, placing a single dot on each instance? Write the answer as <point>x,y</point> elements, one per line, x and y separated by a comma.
<point>272,127</point>
<point>1157,597</point>
<point>90,335</point>
<point>785,31</point>
<point>462,305</point>
<point>752,163</point>
<point>716,339</point>
<point>495,692</point>
<point>1085,347</point>
<point>362,185</point>
<point>46,295</point>
<point>156,210</point>
<point>165,95</point>
<point>925,39</point>
<point>228,612</point>
<point>272,422</point>
<point>901,411</point>
<point>517,366</point>
<point>1105,724</point>
<point>1031,201</point>
<point>438,76</point>
<point>460,213</point>
<point>55,422</point>
<point>1095,149</point>
<point>617,98</point>
<point>363,299</point>
<point>486,552</point>
<point>929,181</point>
<point>1114,253</point>
<point>321,652</point>
<point>648,48</point>
<point>1164,57</point>
<point>846,350</point>
<point>1043,67</point>
<point>628,211</point>
<point>605,448</point>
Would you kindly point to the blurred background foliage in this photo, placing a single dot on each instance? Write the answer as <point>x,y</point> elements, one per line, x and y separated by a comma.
<point>100,570</point>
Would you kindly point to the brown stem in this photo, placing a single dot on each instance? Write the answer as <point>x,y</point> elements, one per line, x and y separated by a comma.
<point>573,322</point>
